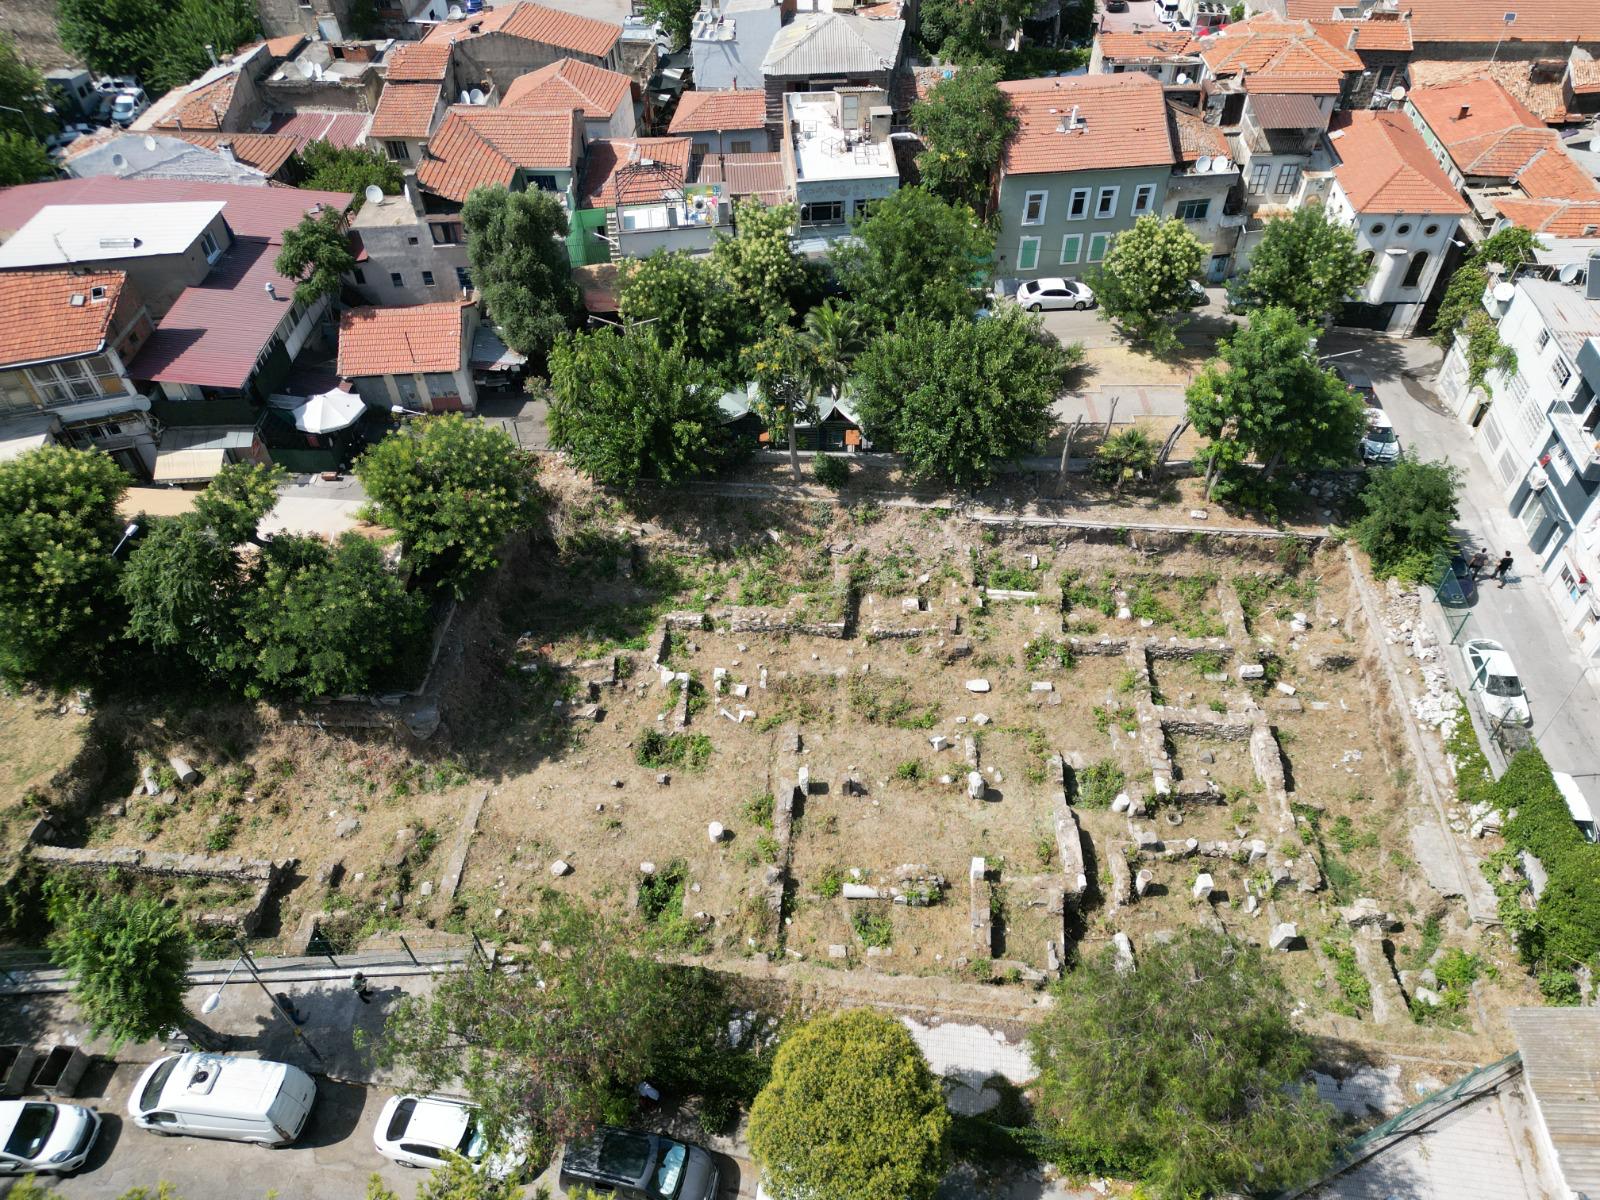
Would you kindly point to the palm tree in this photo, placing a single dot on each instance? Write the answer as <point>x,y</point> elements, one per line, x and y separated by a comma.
<point>834,336</point>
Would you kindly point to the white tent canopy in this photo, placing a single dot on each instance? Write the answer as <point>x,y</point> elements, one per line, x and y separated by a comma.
<point>326,412</point>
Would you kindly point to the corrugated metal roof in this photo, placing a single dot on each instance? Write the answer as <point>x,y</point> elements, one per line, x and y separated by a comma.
<point>251,211</point>
<point>336,128</point>
<point>833,43</point>
<point>1287,112</point>
<point>1560,1050</point>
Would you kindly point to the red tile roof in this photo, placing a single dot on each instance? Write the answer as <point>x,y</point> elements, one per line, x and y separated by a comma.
<point>1553,175</point>
<point>712,112</point>
<point>1193,137</point>
<point>1385,167</point>
<point>1147,43</point>
<point>400,341</point>
<point>569,83</point>
<point>1279,83</point>
<point>534,23</point>
<point>405,110</point>
<point>609,155</point>
<point>417,62</point>
<point>758,175</point>
<point>1585,75</point>
<point>266,152</point>
<point>335,128</point>
<point>251,211</point>
<point>39,321</point>
<point>1536,84</point>
<point>1562,21</point>
<point>204,107</point>
<point>477,147</point>
<point>1371,34</point>
<point>1559,218</point>
<point>1494,135</point>
<point>1124,124</point>
<point>1270,45</point>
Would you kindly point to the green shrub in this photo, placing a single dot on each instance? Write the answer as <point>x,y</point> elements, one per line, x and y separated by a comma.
<point>830,883</point>
<point>830,470</point>
<point>1099,783</point>
<point>909,771</point>
<point>872,927</point>
<point>658,750</point>
<point>222,834</point>
<point>758,810</point>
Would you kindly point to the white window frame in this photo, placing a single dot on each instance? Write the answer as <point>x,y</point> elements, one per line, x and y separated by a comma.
<point>209,246</point>
<point>1144,199</point>
<point>1105,247</point>
<point>1076,241</point>
<point>1022,249</point>
<point>1028,198</point>
<point>1102,210</point>
<point>1076,198</point>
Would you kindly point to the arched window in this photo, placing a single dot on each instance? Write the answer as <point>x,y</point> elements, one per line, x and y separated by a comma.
<point>1414,270</point>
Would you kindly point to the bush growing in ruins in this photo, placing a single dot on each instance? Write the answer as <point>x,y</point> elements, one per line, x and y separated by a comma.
<point>831,470</point>
<point>1099,783</point>
<point>851,1110</point>
<point>1411,510</point>
<point>1215,1100</point>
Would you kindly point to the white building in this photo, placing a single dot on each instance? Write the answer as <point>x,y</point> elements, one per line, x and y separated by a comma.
<point>1404,209</point>
<point>837,156</point>
<point>1536,427</point>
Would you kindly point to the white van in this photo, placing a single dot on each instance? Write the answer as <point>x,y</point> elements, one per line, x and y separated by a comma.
<point>1577,805</point>
<point>218,1096</point>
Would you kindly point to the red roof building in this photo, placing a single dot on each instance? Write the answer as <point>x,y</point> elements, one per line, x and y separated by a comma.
<point>562,32</point>
<point>416,358</point>
<point>602,98</point>
<point>662,169</point>
<point>1384,167</point>
<point>482,147</point>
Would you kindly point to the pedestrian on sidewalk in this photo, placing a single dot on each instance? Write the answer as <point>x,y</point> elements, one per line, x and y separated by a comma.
<point>1477,563</point>
<point>360,986</point>
<point>1501,567</point>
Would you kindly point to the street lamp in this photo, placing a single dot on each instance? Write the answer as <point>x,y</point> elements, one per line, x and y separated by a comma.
<point>214,1001</point>
<point>400,410</point>
<point>127,533</point>
<point>24,115</point>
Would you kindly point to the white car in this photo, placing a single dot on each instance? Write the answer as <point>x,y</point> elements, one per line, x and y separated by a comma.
<point>417,1131</point>
<point>41,1137</point>
<point>1038,295</point>
<point>1494,675</point>
<point>1379,444</point>
<point>128,105</point>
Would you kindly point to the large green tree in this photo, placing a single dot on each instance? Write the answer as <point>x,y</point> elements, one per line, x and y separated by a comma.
<point>758,262</point>
<point>22,88</point>
<point>915,256</point>
<point>182,587</point>
<point>330,168</point>
<point>58,526</point>
<point>628,407</point>
<point>685,301</point>
<point>188,28</point>
<point>316,254</point>
<point>1147,279</point>
<point>1267,397</point>
<point>127,957</point>
<point>454,490</point>
<point>1185,1072</point>
<point>1307,263</point>
<point>959,398</point>
<point>516,246</point>
<point>164,45</point>
<point>23,160</point>
<point>851,1111</point>
<point>322,620</point>
<point>676,17</point>
<point>969,30</point>
<point>559,1046</point>
<point>238,498</point>
<point>964,123</point>
<point>1408,527</point>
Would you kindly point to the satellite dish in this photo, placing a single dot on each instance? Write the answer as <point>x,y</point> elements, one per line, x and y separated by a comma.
<point>464,98</point>
<point>149,142</point>
<point>1504,293</point>
<point>454,13</point>
<point>1397,93</point>
<point>306,69</point>
<point>1182,78</point>
<point>1568,274</point>
<point>1221,163</point>
<point>476,96</point>
<point>1203,163</point>
<point>374,193</point>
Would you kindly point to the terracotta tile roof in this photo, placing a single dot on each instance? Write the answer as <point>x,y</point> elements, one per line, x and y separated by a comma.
<point>205,107</point>
<point>1193,137</point>
<point>335,128</point>
<point>283,47</point>
<point>478,147</point>
<point>534,23</point>
<point>1496,135</point>
<point>607,156</point>
<point>569,83</point>
<point>1147,43</point>
<point>266,152</point>
<point>417,62</point>
<point>1584,74</point>
<point>405,110</point>
<point>1268,44</point>
<point>1563,21</point>
<point>1124,124</point>
<point>712,112</point>
<point>758,175</point>
<point>1553,175</point>
<point>1502,153</point>
<point>1386,167</point>
<point>39,321</point>
<point>1287,112</point>
<point>400,341</point>
<point>1536,85</point>
<point>1559,218</point>
<point>1371,34</point>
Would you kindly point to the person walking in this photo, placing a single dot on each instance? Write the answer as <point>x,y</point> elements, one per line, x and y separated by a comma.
<point>360,986</point>
<point>1501,567</point>
<point>1476,564</point>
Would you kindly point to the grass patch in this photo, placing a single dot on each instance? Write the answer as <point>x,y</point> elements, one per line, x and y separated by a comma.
<point>1099,783</point>
<point>223,833</point>
<point>873,928</point>
<point>910,771</point>
<point>879,700</point>
<point>687,751</point>
<point>758,810</point>
<point>830,883</point>
<point>1044,653</point>
<point>1122,716</point>
<point>1355,993</point>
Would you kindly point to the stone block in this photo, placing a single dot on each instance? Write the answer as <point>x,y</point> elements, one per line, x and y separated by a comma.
<point>978,686</point>
<point>560,867</point>
<point>1283,937</point>
<point>346,828</point>
<point>837,951</point>
<point>1204,885</point>
<point>1124,949</point>
<point>938,741</point>
<point>976,789</point>
<point>1252,671</point>
<point>861,891</point>
<point>1142,882</point>
<point>186,774</point>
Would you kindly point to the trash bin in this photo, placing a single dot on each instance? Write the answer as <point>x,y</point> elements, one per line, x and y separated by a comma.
<point>58,1074</point>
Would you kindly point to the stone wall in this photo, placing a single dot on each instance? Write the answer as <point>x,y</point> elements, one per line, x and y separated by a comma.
<point>265,874</point>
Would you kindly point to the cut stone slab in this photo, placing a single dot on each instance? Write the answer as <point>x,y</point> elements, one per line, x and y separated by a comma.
<point>837,951</point>
<point>1142,882</point>
<point>976,789</point>
<point>186,774</point>
<point>861,891</point>
<point>978,685</point>
<point>1252,671</point>
<point>938,741</point>
<point>1283,936</point>
<point>1124,948</point>
<point>1204,885</point>
<point>1365,911</point>
<point>346,828</point>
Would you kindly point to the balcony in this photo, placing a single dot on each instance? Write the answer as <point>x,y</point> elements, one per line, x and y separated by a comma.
<point>1580,443</point>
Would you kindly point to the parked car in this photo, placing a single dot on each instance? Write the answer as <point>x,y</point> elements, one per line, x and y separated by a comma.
<point>1577,805</point>
<point>1041,294</point>
<point>1116,6</point>
<point>639,1166</point>
<point>219,1096</point>
<point>39,1137</point>
<point>417,1131</point>
<point>1379,444</point>
<point>1494,675</point>
<point>1463,593</point>
<point>1358,382</point>
<point>128,106</point>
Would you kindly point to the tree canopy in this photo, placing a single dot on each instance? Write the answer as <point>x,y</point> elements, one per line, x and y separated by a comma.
<point>686,302</point>
<point>758,262</point>
<point>164,45</point>
<point>573,1033</point>
<point>1185,1073</point>
<point>1307,263</point>
<point>516,248</point>
<point>454,490</point>
<point>915,256</point>
<point>330,168</point>
<point>1461,308</point>
<point>23,159</point>
<point>964,122</point>
<point>316,254</point>
<point>1266,396</point>
<point>969,30</point>
<point>851,1111</point>
<point>1407,529</point>
<point>182,585</point>
<point>127,957</point>
<point>956,399</point>
<point>676,17</point>
<point>22,87</point>
<point>626,407</point>
<point>58,525</point>
<point>1146,279</point>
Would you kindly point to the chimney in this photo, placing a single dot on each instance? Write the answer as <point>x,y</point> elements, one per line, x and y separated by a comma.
<point>1350,42</point>
<point>1466,111</point>
<point>272,290</point>
<point>1591,284</point>
<point>211,53</point>
<point>225,148</point>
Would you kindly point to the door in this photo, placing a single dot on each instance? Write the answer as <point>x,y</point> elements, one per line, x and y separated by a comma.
<point>1218,270</point>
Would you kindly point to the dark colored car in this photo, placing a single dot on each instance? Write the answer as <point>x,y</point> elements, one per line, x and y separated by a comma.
<point>1118,6</point>
<point>640,1166</point>
<point>1457,587</point>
